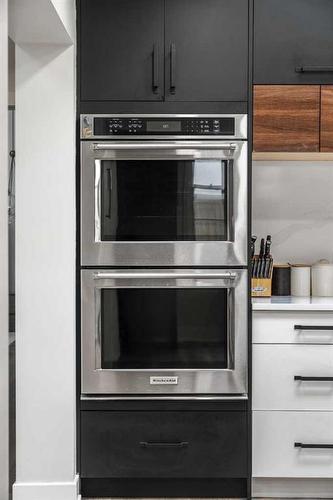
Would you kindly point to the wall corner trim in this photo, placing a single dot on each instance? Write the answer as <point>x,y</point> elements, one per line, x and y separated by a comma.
<point>47,491</point>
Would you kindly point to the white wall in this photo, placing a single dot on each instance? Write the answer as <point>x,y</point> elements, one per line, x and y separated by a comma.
<point>3,251</point>
<point>39,21</point>
<point>45,270</point>
<point>293,201</point>
<point>66,12</point>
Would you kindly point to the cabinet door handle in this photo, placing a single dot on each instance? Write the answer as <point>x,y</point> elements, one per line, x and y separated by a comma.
<point>173,68</point>
<point>313,379</point>
<point>313,327</point>
<point>314,69</point>
<point>155,68</point>
<point>161,444</point>
<point>319,446</point>
<point>109,187</point>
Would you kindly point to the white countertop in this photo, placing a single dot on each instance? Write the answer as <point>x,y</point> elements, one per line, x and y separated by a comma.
<point>288,303</point>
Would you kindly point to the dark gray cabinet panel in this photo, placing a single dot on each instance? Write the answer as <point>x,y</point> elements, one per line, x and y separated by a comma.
<point>122,50</point>
<point>293,41</point>
<point>130,48</point>
<point>206,46</point>
<point>168,444</point>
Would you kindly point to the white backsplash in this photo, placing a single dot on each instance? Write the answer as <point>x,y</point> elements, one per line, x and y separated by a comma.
<point>293,201</point>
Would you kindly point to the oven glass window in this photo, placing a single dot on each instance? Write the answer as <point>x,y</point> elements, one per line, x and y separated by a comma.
<point>164,328</point>
<point>164,200</point>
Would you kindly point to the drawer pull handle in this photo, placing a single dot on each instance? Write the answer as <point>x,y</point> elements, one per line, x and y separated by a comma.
<point>313,327</point>
<point>320,446</point>
<point>158,444</point>
<point>313,379</point>
<point>314,69</point>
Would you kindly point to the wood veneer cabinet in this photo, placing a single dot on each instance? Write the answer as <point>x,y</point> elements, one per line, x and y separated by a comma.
<point>286,118</point>
<point>326,119</point>
<point>293,118</point>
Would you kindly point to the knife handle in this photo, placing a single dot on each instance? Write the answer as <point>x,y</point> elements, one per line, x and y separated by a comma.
<point>262,248</point>
<point>268,245</point>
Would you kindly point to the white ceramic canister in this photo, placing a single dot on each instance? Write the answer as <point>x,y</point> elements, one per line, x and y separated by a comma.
<point>300,280</point>
<point>322,279</point>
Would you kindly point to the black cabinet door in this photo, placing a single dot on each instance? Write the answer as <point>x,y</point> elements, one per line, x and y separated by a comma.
<point>122,50</point>
<point>206,47</point>
<point>293,41</point>
<point>163,444</point>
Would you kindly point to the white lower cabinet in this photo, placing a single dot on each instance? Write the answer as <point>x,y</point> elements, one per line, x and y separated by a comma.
<point>274,437</point>
<point>272,327</point>
<point>275,368</point>
<point>292,386</point>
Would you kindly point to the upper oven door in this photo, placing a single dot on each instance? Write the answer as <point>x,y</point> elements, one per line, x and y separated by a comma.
<point>164,331</point>
<point>170,203</point>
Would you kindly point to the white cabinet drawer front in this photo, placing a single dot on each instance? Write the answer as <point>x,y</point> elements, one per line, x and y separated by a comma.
<point>274,452</point>
<point>274,369</point>
<point>279,327</point>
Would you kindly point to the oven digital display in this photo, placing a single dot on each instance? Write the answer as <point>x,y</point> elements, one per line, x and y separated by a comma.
<point>164,126</point>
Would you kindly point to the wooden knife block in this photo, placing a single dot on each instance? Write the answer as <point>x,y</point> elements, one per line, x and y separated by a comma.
<point>262,287</point>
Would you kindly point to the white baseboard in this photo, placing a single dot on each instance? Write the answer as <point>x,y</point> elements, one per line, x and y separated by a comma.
<point>47,491</point>
<point>292,488</point>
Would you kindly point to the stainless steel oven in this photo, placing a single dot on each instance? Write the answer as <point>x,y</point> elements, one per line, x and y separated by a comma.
<point>165,190</point>
<point>164,332</point>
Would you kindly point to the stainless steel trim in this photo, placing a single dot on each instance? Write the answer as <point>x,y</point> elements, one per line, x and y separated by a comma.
<point>87,132</point>
<point>165,398</point>
<point>232,380</point>
<point>162,275</point>
<point>224,146</point>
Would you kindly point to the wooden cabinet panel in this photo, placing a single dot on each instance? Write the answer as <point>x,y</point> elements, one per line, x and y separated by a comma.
<point>286,118</point>
<point>326,119</point>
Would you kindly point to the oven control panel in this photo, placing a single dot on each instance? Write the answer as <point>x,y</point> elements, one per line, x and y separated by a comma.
<point>102,126</point>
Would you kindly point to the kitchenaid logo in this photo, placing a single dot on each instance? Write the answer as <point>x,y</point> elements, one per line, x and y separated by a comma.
<point>163,380</point>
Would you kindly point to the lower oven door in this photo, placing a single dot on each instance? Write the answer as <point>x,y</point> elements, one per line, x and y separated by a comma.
<point>164,332</point>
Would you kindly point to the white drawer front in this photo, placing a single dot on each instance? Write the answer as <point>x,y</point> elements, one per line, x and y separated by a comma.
<point>274,453</point>
<point>274,369</point>
<point>279,327</point>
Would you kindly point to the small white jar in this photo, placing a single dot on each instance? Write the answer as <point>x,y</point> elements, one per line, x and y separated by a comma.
<point>322,279</point>
<point>300,280</point>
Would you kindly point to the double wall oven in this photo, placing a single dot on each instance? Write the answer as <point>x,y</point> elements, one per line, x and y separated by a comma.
<point>164,255</point>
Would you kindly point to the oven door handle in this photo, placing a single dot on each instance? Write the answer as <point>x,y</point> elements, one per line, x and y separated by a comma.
<point>110,275</point>
<point>165,145</point>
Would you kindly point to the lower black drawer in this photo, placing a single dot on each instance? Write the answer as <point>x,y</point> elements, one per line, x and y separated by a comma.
<point>164,444</point>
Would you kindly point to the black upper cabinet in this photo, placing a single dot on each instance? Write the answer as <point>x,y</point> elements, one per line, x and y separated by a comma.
<point>206,46</point>
<point>154,50</point>
<point>293,41</point>
<point>122,50</point>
